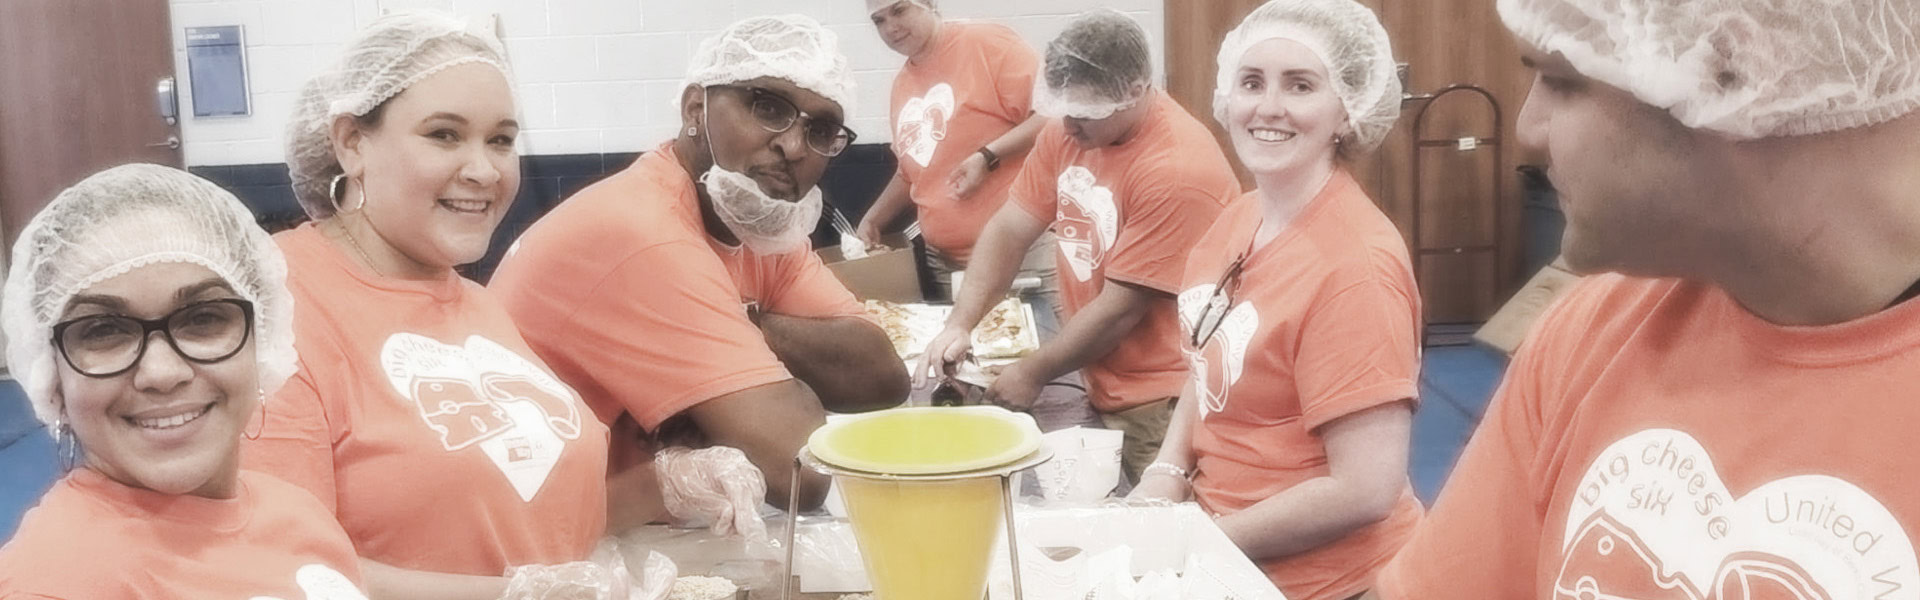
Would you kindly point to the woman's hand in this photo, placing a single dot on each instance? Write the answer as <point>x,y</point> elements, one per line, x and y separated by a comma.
<point>1161,486</point>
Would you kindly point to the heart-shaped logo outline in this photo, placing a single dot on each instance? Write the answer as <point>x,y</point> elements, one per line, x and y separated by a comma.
<point>1229,344</point>
<point>923,123</point>
<point>482,394</point>
<point>1086,221</point>
<point>321,582</point>
<point>1652,518</point>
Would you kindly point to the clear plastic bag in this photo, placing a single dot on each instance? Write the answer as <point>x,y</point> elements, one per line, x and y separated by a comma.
<point>603,576</point>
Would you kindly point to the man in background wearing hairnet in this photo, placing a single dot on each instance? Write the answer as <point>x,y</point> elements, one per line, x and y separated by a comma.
<point>1724,408</point>
<point>1128,181</point>
<point>679,296</point>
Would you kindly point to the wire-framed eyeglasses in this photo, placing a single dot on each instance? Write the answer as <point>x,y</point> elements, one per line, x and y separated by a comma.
<point>777,114</point>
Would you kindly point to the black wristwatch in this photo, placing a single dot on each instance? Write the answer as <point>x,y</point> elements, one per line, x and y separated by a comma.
<point>993,160</point>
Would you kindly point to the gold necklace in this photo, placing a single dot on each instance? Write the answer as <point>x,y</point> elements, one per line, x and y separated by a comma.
<point>346,231</point>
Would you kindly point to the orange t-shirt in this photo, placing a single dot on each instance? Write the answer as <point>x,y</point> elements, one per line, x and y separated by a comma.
<point>1323,322</point>
<point>421,418</point>
<point>621,290</point>
<point>1653,439</point>
<point>975,86</point>
<point>1129,213</point>
<point>93,537</point>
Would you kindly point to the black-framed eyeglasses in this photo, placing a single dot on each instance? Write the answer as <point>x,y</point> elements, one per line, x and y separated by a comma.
<point>776,114</point>
<point>1215,310</point>
<point>108,345</point>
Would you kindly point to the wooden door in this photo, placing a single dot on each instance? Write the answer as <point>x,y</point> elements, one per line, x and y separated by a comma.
<point>1194,31</point>
<point>1449,42</point>
<point>77,94</point>
<point>1443,42</point>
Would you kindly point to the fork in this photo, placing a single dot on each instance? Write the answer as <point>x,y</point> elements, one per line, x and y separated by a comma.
<point>851,246</point>
<point>913,231</point>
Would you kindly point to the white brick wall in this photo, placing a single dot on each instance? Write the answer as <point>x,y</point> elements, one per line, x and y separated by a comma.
<point>593,75</point>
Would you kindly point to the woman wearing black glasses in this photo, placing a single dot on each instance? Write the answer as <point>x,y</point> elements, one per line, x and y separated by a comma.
<point>1301,314</point>
<point>150,355</point>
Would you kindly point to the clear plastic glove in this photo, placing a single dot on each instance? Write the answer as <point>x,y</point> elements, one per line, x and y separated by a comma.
<point>943,355</point>
<point>716,486</point>
<point>868,232</point>
<point>603,576</point>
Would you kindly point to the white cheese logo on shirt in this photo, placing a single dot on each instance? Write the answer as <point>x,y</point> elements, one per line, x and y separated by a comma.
<point>1086,222</point>
<point>1652,519</point>
<point>482,394</point>
<point>322,583</point>
<point>923,123</point>
<point>1222,357</point>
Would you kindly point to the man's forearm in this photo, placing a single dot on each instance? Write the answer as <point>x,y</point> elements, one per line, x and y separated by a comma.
<point>848,362</point>
<point>1094,331</point>
<point>996,259</point>
<point>892,201</point>
<point>1017,141</point>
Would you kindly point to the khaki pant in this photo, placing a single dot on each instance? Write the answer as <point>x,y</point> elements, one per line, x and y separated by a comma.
<point>1039,262</point>
<point>1145,427</point>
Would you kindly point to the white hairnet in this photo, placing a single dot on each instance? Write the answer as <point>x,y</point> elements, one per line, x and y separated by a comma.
<point>1745,68</point>
<point>1093,67</point>
<point>389,56</point>
<point>1347,38</point>
<point>875,6</point>
<point>125,218</point>
<point>791,47</point>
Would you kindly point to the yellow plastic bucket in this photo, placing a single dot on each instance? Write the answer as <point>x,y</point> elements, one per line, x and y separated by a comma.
<point>926,529</point>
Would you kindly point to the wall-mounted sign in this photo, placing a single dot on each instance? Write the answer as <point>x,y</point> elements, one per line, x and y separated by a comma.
<point>217,71</point>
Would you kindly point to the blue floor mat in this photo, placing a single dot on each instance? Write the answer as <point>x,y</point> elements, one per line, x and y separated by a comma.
<point>27,463</point>
<point>1456,382</point>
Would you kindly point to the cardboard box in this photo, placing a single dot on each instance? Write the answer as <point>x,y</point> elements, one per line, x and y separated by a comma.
<point>1510,325</point>
<point>1161,538</point>
<point>1177,538</point>
<point>889,274</point>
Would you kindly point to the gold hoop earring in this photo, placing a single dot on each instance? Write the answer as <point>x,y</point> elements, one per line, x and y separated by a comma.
<point>65,447</point>
<point>262,395</point>
<point>338,188</point>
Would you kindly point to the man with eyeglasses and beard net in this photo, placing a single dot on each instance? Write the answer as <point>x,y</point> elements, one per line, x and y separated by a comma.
<point>680,295</point>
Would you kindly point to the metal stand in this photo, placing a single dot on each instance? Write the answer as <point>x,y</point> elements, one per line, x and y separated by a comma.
<point>806,460</point>
<point>1421,144</point>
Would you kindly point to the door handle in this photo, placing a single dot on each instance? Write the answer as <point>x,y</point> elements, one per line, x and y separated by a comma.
<point>166,102</point>
<point>173,142</point>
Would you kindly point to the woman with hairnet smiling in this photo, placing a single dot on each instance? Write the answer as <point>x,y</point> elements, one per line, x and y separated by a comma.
<point>1300,314</point>
<point>455,460</point>
<point>157,506</point>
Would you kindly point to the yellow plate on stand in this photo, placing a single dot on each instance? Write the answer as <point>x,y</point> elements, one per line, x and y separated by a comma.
<point>926,440</point>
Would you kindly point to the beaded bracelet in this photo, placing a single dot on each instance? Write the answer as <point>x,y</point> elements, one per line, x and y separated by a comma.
<point>1170,469</point>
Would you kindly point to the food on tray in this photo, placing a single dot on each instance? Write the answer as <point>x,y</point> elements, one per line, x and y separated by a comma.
<point>909,326</point>
<point>1006,332</point>
<point>695,587</point>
